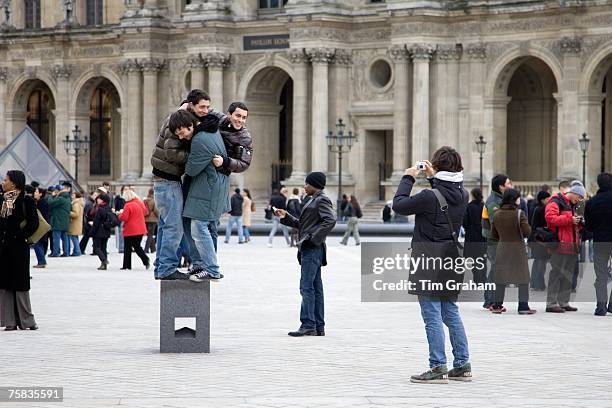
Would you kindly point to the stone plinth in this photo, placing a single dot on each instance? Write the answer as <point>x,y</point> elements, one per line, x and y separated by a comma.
<point>187,300</point>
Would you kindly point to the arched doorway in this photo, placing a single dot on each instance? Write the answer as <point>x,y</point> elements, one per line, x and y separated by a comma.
<point>531,126</point>
<point>39,112</point>
<point>269,97</point>
<point>98,113</point>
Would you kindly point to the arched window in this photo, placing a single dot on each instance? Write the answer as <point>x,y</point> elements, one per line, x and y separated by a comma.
<point>95,12</point>
<point>38,114</point>
<point>32,14</point>
<point>100,130</point>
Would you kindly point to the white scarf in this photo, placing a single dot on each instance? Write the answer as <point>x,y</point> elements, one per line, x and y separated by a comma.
<point>454,177</point>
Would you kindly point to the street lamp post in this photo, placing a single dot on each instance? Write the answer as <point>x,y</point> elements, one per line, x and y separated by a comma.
<point>340,143</point>
<point>584,146</point>
<point>481,145</point>
<point>76,146</point>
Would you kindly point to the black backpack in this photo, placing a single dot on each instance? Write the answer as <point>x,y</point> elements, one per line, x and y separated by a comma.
<point>111,221</point>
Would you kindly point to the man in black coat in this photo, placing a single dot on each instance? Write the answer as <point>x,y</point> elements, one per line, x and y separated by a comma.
<point>434,238</point>
<point>315,222</point>
<point>100,231</point>
<point>235,217</point>
<point>598,220</point>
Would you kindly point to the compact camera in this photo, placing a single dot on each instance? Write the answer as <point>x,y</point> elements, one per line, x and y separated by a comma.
<point>421,166</point>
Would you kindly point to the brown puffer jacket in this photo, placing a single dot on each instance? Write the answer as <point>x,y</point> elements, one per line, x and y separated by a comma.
<point>169,154</point>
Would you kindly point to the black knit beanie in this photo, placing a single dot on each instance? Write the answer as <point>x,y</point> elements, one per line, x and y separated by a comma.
<point>316,179</point>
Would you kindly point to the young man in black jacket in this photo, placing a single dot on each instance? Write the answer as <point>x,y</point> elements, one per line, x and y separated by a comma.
<point>598,220</point>
<point>235,217</point>
<point>432,234</point>
<point>315,222</point>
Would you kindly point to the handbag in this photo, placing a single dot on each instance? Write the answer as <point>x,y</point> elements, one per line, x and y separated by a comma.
<point>443,207</point>
<point>43,228</point>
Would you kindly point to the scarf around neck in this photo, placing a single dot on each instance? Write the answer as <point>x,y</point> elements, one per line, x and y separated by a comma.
<point>9,203</point>
<point>449,176</point>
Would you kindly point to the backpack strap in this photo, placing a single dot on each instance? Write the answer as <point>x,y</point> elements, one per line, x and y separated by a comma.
<point>444,207</point>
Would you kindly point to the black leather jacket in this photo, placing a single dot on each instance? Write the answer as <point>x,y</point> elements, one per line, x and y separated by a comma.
<point>315,222</point>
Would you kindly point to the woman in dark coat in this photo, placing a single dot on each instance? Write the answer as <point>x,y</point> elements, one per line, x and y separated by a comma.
<point>99,232</point>
<point>15,309</point>
<point>510,227</point>
<point>538,249</point>
<point>475,243</point>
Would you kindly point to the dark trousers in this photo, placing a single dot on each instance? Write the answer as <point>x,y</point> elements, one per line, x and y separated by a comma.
<point>560,279</point>
<point>500,293</point>
<point>85,239</point>
<point>150,243</point>
<point>130,244</point>
<point>311,288</point>
<point>538,271</point>
<point>489,295</point>
<point>99,248</point>
<point>601,257</point>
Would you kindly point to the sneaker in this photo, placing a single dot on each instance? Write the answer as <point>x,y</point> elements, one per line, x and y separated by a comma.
<point>527,312</point>
<point>200,276</point>
<point>176,275</point>
<point>215,278</point>
<point>437,375</point>
<point>463,373</point>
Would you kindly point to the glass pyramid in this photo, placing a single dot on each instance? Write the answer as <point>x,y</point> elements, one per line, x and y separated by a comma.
<point>28,153</point>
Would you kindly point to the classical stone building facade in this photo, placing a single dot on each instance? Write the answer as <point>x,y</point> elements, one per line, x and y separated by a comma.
<point>406,76</point>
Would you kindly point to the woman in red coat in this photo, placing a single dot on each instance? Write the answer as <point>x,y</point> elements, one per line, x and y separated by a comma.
<point>133,217</point>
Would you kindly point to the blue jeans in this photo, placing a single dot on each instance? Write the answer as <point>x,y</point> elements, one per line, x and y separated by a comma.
<point>538,270</point>
<point>63,237</point>
<point>204,245</point>
<point>246,232</point>
<point>230,224</point>
<point>119,238</point>
<point>435,313</point>
<point>74,241</point>
<point>312,312</point>
<point>169,202</point>
<point>39,250</point>
<point>275,224</point>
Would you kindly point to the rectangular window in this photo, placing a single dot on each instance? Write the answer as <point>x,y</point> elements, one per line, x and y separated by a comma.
<point>271,4</point>
<point>95,12</point>
<point>32,14</point>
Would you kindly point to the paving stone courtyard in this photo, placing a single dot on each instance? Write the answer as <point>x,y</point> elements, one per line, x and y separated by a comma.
<point>99,339</point>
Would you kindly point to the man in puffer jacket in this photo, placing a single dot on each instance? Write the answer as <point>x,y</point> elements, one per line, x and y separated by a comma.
<point>561,217</point>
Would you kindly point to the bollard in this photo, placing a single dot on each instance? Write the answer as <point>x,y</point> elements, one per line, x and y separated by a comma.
<point>184,300</point>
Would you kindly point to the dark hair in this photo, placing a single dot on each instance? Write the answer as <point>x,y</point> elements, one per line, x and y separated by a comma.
<point>41,191</point>
<point>122,189</point>
<point>77,194</point>
<point>545,187</point>
<point>105,183</point>
<point>477,194</point>
<point>196,95</point>
<point>447,159</point>
<point>151,191</point>
<point>29,189</point>
<point>296,191</point>
<point>237,190</point>
<point>564,184</point>
<point>18,178</point>
<point>344,197</point>
<point>275,191</point>
<point>510,196</point>
<point>498,181</point>
<point>239,105</point>
<point>34,184</point>
<point>248,193</point>
<point>67,184</point>
<point>542,195</point>
<point>604,181</point>
<point>355,203</point>
<point>181,119</point>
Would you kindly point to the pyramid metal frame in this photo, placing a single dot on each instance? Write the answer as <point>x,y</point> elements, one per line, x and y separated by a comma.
<point>61,175</point>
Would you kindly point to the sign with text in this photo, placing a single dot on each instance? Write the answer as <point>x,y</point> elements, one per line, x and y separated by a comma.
<point>266,42</point>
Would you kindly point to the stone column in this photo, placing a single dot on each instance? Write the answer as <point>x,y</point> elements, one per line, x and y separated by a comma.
<point>320,58</point>
<point>150,125</point>
<point>300,117</point>
<point>447,57</point>
<point>131,144</point>
<point>197,64</point>
<point>569,156</point>
<point>215,63</point>
<point>3,123</point>
<point>421,56</point>
<point>62,73</point>
<point>401,115</point>
<point>477,57</point>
